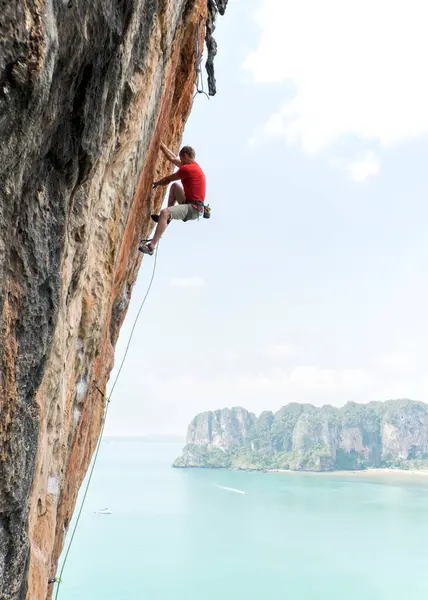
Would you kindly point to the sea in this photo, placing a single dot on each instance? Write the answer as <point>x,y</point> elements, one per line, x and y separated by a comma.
<point>174,534</point>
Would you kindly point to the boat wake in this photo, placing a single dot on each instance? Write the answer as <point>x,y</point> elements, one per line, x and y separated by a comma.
<point>229,489</point>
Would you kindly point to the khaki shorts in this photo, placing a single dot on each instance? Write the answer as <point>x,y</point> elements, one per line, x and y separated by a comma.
<point>184,212</point>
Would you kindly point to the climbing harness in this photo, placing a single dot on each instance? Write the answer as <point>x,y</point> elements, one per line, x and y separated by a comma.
<point>199,83</point>
<point>206,215</point>
<point>206,207</point>
<point>107,399</point>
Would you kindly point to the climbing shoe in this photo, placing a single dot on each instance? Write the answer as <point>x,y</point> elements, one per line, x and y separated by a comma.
<point>146,249</point>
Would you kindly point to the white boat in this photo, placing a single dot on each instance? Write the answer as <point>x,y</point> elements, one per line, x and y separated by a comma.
<point>229,489</point>
<point>103,511</point>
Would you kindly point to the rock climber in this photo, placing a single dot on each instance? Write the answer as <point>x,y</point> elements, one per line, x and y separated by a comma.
<point>184,203</point>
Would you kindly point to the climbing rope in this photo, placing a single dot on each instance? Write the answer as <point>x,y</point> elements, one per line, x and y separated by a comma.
<point>58,580</point>
<point>199,83</point>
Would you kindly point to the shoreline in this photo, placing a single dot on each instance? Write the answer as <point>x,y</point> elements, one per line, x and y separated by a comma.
<point>370,472</point>
<point>360,472</point>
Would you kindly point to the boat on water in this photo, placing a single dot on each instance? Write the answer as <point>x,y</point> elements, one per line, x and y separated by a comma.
<point>229,489</point>
<point>103,511</point>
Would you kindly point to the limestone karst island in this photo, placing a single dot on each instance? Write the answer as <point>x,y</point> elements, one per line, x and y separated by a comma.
<point>301,437</point>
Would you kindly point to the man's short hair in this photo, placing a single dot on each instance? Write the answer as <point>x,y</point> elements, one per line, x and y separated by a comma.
<point>188,151</point>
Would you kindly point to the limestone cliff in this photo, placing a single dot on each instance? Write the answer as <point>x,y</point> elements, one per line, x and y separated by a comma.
<point>303,437</point>
<point>87,90</point>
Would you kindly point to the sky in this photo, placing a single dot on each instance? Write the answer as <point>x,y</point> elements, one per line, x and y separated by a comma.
<point>309,282</point>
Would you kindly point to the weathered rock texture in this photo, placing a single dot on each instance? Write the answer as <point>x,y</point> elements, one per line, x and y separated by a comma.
<point>214,7</point>
<point>303,437</point>
<point>87,90</point>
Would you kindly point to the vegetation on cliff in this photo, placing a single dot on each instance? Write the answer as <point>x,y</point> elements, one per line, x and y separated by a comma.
<point>303,437</point>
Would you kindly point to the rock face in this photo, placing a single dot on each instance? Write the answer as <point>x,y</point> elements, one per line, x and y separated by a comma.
<point>87,90</point>
<point>303,437</point>
<point>222,429</point>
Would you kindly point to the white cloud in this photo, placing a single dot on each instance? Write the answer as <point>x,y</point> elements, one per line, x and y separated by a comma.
<point>398,362</point>
<point>252,142</point>
<point>160,401</point>
<point>328,380</point>
<point>363,167</point>
<point>231,356</point>
<point>187,281</point>
<point>279,351</point>
<point>354,68</point>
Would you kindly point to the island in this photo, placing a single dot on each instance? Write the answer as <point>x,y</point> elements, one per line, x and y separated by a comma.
<point>302,437</point>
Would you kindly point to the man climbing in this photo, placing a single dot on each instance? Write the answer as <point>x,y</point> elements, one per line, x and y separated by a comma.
<point>184,203</point>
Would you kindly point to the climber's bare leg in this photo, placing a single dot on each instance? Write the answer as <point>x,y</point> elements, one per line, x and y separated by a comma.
<point>163,222</point>
<point>176,195</point>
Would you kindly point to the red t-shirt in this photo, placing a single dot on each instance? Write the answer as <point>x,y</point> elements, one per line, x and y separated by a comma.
<point>193,180</point>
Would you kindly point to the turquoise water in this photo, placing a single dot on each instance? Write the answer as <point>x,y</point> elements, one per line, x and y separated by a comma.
<point>178,535</point>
